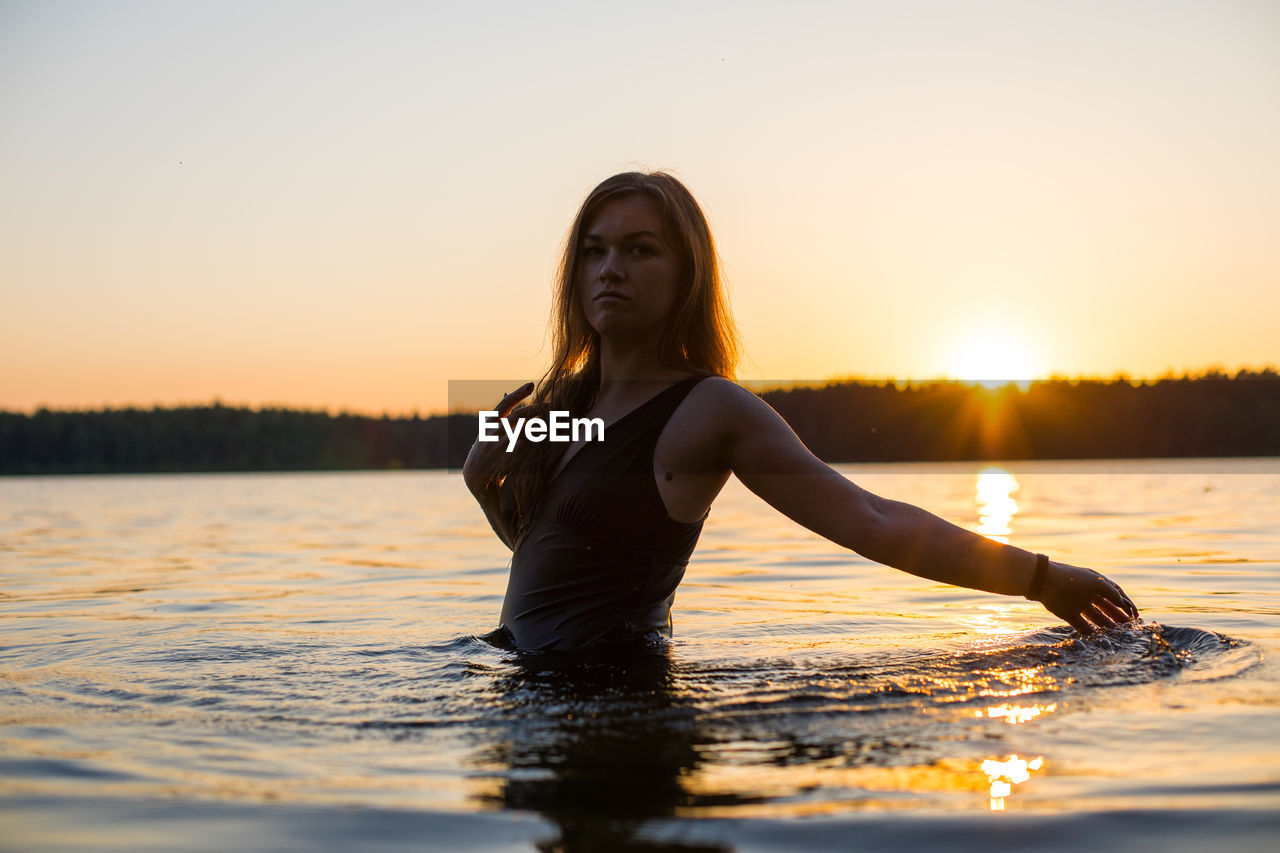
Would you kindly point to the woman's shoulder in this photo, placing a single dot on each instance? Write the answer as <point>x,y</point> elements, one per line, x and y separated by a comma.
<point>717,401</point>
<point>716,420</point>
<point>721,388</point>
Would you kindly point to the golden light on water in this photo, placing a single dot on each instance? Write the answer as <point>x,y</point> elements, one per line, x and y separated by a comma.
<point>994,619</point>
<point>996,506</point>
<point>1005,684</point>
<point>1003,775</point>
<point>764,787</point>
<point>1015,714</point>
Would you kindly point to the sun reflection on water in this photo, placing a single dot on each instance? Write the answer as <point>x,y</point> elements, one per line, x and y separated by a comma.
<point>1003,775</point>
<point>996,506</point>
<point>728,790</point>
<point>993,619</point>
<point>1014,714</point>
<point>1015,682</point>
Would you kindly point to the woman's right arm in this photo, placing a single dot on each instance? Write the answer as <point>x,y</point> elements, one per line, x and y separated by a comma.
<point>479,472</point>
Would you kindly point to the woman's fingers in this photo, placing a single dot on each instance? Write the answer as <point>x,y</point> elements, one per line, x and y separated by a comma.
<point>1129,605</point>
<point>1081,624</point>
<point>1115,595</point>
<point>507,403</point>
<point>1116,614</point>
<point>1098,615</point>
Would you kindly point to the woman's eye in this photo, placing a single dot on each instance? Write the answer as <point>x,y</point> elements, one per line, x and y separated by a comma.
<point>642,250</point>
<point>591,251</point>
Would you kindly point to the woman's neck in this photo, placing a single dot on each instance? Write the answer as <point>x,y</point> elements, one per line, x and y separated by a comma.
<point>620,364</point>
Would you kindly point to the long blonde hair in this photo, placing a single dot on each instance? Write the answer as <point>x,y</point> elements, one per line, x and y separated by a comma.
<point>700,334</point>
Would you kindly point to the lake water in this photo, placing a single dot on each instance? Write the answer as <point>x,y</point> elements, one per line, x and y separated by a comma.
<point>289,661</point>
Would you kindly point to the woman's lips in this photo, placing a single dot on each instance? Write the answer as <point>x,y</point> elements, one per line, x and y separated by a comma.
<point>612,297</point>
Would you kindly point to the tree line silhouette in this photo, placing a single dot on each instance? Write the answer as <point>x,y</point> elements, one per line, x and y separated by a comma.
<point>1211,415</point>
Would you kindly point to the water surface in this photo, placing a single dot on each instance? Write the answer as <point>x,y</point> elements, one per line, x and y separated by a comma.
<point>289,661</point>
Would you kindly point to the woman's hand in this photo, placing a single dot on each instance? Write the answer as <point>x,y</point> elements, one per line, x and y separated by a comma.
<point>1085,599</point>
<point>481,467</point>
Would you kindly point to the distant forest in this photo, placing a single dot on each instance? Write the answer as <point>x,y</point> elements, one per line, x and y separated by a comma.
<point>1213,415</point>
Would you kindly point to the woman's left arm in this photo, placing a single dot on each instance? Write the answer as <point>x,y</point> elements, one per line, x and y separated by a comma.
<point>770,460</point>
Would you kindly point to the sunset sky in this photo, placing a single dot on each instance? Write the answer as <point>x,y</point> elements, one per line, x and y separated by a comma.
<point>348,205</point>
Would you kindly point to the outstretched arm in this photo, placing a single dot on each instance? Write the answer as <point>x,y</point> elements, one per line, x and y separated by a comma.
<point>771,461</point>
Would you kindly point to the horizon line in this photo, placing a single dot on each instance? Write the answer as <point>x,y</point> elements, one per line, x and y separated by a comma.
<point>758,386</point>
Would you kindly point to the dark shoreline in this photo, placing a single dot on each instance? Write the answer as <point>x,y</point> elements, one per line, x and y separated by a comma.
<point>1206,417</point>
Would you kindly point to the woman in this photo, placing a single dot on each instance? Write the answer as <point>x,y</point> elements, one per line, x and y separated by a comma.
<point>602,531</point>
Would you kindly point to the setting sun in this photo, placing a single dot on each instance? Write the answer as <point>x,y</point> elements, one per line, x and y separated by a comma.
<point>993,355</point>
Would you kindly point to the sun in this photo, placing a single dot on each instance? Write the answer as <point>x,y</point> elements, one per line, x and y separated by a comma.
<point>993,356</point>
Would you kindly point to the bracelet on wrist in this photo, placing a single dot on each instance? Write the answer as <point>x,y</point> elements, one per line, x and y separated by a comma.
<point>1037,579</point>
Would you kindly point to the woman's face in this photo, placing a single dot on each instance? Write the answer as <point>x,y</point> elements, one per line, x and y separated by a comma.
<point>628,275</point>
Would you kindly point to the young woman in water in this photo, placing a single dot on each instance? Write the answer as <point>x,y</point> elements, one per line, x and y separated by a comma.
<point>602,530</point>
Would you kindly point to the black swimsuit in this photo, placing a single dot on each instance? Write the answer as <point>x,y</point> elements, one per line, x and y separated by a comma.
<point>602,559</point>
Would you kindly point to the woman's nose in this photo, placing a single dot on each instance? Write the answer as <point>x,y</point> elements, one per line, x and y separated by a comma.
<point>610,269</point>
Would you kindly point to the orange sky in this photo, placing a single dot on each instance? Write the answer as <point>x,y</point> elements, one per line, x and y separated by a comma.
<point>320,205</point>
